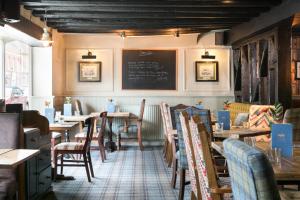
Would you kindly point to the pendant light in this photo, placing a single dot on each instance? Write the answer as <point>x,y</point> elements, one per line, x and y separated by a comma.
<point>46,38</point>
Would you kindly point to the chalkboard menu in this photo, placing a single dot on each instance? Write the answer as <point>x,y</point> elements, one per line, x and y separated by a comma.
<point>149,69</point>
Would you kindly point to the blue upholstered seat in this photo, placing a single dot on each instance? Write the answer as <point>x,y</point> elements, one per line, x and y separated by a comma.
<point>251,173</point>
<point>205,117</point>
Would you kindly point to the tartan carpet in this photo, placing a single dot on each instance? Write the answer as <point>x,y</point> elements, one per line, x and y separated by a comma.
<point>130,174</point>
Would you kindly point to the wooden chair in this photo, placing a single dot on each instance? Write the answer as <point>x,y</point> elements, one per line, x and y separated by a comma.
<point>97,136</point>
<point>78,107</point>
<point>211,186</point>
<point>76,148</point>
<point>170,143</point>
<point>134,123</point>
<point>194,178</point>
<point>181,156</point>
<point>170,133</point>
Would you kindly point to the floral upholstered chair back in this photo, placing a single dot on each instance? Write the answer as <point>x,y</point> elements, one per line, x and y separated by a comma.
<point>260,117</point>
<point>184,119</point>
<point>168,120</point>
<point>161,105</point>
<point>251,173</point>
<point>203,158</point>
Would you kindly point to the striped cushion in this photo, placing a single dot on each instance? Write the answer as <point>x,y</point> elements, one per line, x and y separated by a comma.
<point>69,146</point>
<point>260,117</point>
<point>83,135</point>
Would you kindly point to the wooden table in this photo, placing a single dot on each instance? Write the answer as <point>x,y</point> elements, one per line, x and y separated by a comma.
<point>77,118</point>
<point>11,158</point>
<point>63,127</point>
<point>240,133</point>
<point>125,116</point>
<point>287,173</point>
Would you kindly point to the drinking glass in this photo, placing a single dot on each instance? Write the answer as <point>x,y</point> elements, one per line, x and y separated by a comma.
<point>57,116</point>
<point>77,113</point>
<point>219,127</point>
<point>277,156</point>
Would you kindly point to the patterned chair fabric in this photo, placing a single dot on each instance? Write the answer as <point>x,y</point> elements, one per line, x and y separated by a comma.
<point>161,105</point>
<point>236,108</point>
<point>172,113</point>
<point>252,175</point>
<point>293,116</point>
<point>207,176</point>
<point>184,120</point>
<point>260,117</point>
<point>168,121</point>
<point>204,115</point>
<point>69,146</point>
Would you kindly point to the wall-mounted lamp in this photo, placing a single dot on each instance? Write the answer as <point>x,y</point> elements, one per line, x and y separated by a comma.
<point>176,34</point>
<point>207,56</point>
<point>89,56</point>
<point>123,35</point>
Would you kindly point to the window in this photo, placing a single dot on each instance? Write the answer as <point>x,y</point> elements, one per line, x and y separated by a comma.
<point>17,71</point>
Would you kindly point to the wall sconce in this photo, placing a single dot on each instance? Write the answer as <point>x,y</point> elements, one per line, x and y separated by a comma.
<point>207,56</point>
<point>89,56</point>
<point>123,35</point>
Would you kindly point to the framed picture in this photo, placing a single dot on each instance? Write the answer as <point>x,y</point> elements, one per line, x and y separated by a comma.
<point>89,71</point>
<point>206,71</point>
<point>297,71</point>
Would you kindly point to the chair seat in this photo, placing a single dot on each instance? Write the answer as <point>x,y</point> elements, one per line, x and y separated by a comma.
<point>224,181</point>
<point>69,146</point>
<point>55,135</point>
<point>83,135</point>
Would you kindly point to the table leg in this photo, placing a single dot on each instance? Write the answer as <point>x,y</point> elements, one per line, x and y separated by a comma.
<point>110,145</point>
<point>67,136</point>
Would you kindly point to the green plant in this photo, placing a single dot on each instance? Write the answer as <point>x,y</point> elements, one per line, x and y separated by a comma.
<point>68,100</point>
<point>277,111</point>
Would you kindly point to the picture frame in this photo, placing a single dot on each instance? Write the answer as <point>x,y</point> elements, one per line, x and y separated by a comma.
<point>297,70</point>
<point>89,72</point>
<point>207,71</point>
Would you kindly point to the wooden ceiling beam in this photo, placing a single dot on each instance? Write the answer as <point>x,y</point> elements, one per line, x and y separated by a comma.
<point>128,15</point>
<point>137,32</point>
<point>53,9</point>
<point>171,21</point>
<point>153,3</point>
<point>143,26</point>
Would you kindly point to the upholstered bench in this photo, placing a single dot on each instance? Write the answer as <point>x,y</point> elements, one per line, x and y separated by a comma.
<point>236,108</point>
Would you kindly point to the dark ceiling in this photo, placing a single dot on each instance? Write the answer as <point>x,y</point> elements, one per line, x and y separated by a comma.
<point>146,17</point>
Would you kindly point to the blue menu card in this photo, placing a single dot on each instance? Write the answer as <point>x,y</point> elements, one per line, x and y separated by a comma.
<point>49,114</point>
<point>282,137</point>
<point>67,109</point>
<point>199,106</point>
<point>224,117</point>
<point>111,107</point>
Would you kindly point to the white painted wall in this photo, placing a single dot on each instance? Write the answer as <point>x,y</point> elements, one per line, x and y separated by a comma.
<point>42,71</point>
<point>67,52</point>
<point>108,49</point>
<point>41,78</point>
<point>1,68</point>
